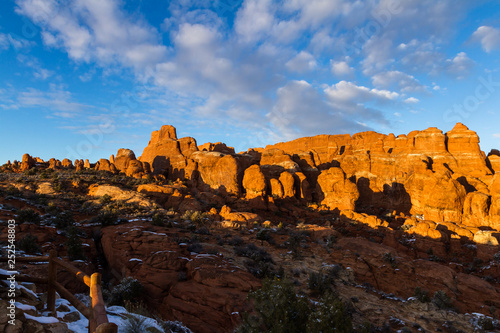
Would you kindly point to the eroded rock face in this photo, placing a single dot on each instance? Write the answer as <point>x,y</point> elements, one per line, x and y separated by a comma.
<point>336,191</point>
<point>219,171</point>
<point>217,147</point>
<point>105,165</point>
<point>123,158</point>
<point>463,144</point>
<point>117,193</point>
<point>438,197</point>
<point>168,155</point>
<point>254,182</point>
<point>210,291</point>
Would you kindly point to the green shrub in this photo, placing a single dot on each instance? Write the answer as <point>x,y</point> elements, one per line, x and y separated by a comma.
<point>263,235</point>
<point>329,315</point>
<point>105,199</point>
<point>52,209</point>
<point>74,245</point>
<point>320,283</point>
<point>106,218</point>
<point>279,309</point>
<point>129,289</point>
<point>64,220</point>
<point>442,300</point>
<point>422,295</point>
<point>29,244</point>
<point>197,217</point>
<point>28,215</point>
<point>160,219</point>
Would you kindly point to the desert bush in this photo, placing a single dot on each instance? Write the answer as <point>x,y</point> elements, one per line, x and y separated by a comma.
<point>329,315</point>
<point>422,295</point>
<point>64,220</point>
<point>52,208</point>
<point>389,258</point>
<point>260,262</point>
<point>442,300</point>
<point>106,218</point>
<point>235,241</point>
<point>129,289</point>
<point>320,283</point>
<point>172,326</point>
<point>197,217</point>
<point>135,324</point>
<point>279,309</point>
<point>195,247</point>
<point>29,244</point>
<point>74,245</point>
<point>263,235</point>
<point>105,199</point>
<point>28,215</point>
<point>158,219</point>
<point>253,252</point>
<point>295,242</point>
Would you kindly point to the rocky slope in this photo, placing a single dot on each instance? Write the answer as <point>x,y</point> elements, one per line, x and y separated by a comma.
<point>391,213</point>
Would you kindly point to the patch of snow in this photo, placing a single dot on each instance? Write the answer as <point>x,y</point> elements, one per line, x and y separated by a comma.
<point>155,233</point>
<point>42,320</point>
<point>25,307</point>
<point>135,259</point>
<point>166,251</point>
<point>4,272</point>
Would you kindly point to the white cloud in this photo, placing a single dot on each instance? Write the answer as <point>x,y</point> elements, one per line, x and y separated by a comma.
<point>38,71</point>
<point>489,37</point>
<point>8,40</point>
<point>57,100</point>
<point>347,92</point>
<point>301,110</point>
<point>400,80</point>
<point>412,100</point>
<point>254,20</point>
<point>302,62</point>
<point>95,30</point>
<point>460,66</point>
<point>341,69</point>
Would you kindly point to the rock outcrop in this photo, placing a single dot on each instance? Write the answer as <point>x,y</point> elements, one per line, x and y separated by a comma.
<point>207,296</point>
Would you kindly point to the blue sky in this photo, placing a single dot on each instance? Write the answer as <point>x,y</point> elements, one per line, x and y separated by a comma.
<point>82,78</point>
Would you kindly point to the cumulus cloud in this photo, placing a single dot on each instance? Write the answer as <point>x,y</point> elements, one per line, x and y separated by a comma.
<point>254,20</point>
<point>400,80</point>
<point>302,62</point>
<point>341,69</point>
<point>489,37</point>
<point>460,66</point>
<point>301,110</point>
<point>411,100</point>
<point>95,30</point>
<point>348,92</point>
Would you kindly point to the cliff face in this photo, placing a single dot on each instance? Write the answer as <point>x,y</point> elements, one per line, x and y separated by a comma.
<point>430,174</point>
<point>434,175</point>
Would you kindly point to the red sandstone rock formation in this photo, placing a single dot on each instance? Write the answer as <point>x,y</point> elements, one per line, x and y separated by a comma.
<point>210,292</point>
<point>336,191</point>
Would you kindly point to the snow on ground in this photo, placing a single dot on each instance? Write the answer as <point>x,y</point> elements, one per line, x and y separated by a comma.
<point>42,320</point>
